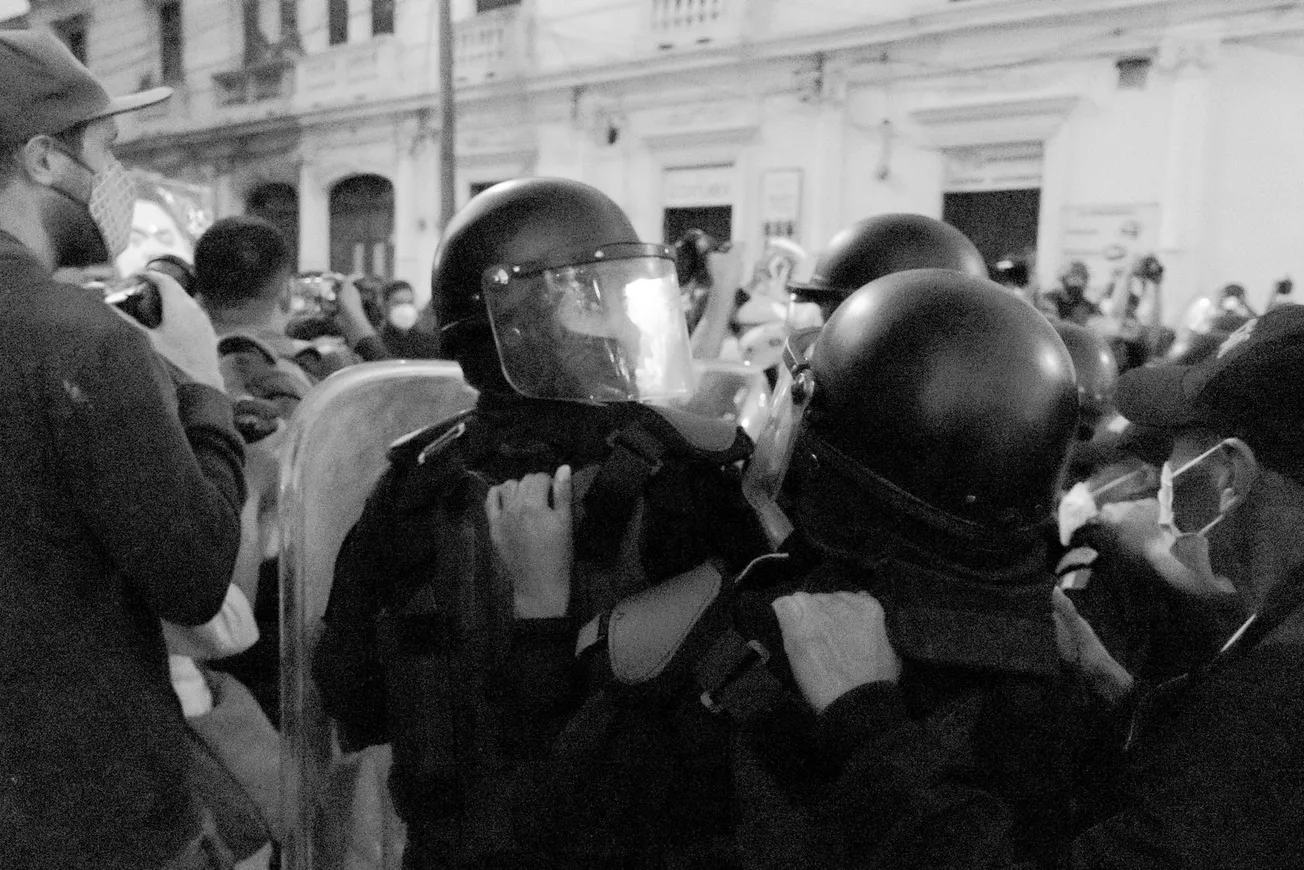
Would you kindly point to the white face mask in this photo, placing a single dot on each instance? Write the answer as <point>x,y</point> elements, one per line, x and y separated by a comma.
<point>1192,548</point>
<point>1167,476</point>
<point>112,205</point>
<point>403,315</point>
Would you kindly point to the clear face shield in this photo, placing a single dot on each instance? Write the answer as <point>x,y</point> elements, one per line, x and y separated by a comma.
<point>768,468</point>
<point>609,328</point>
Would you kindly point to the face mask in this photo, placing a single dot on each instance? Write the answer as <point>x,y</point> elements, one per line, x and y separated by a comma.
<point>403,316</point>
<point>1191,549</point>
<point>1167,476</point>
<point>112,203</point>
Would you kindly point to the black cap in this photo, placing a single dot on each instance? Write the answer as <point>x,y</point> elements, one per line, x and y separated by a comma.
<point>1252,389</point>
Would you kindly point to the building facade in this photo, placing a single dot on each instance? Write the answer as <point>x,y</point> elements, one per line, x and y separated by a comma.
<point>1074,129</point>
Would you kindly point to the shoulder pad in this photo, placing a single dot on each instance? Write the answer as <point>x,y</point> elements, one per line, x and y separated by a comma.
<point>646,630</point>
<point>419,446</point>
<point>693,434</point>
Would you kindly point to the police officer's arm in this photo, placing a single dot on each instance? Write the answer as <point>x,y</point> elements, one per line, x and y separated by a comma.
<point>159,482</point>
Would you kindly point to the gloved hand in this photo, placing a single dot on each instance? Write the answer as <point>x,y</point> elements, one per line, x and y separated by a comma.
<point>533,540</point>
<point>835,642</point>
<point>185,337</point>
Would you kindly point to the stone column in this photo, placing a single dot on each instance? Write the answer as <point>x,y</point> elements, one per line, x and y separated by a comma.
<point>822,201</point>
<point>1188,56</point>
<point>416,206</point>
<point>314,214</point>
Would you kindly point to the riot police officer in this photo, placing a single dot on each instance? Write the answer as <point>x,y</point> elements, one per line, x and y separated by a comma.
<point>904,635</point>
<point>569,327</point>
<point>919,446</point>
<point>880,245</point>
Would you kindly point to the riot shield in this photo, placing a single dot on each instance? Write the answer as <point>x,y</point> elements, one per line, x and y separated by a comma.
<point>733,391</point>
<point>337,810</point>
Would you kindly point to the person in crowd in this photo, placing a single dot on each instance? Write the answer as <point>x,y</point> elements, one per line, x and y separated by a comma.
<point>693,272</point>
<point>122,488</point>
<point>405,330</point>
<point>426,645</point>
<point>1215,767</point>
<point>1232,299</point>
<point>1096,369</point>
<point>881,245</point>
<point>243,272</point>
<point>242,278</point>
<point>1281,294</point>
<point>1069,301</point>
<point>155,232</point>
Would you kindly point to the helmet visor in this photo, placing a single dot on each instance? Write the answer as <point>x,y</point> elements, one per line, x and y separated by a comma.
<point>609,330</point>
<point>768,468</point>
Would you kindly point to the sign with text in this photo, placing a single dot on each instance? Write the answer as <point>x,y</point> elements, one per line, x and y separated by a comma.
<point>698,185</point>
<point>780,203</point>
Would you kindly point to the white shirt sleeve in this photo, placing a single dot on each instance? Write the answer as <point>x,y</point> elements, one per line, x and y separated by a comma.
<point>232,631</point>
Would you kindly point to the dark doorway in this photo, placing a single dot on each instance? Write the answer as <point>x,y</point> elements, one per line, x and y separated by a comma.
<point>715,220</point>
<point>278,204</point>
<point>362,226</point>
<point>1000,222</point>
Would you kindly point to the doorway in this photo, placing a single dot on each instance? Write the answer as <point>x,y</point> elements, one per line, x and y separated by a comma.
<point>715,220</point>
<point>1001,223</point>
<point>362,226</point>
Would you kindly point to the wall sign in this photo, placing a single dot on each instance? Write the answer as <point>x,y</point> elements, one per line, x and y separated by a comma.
<point>780,203</point>
<point>698,185</point>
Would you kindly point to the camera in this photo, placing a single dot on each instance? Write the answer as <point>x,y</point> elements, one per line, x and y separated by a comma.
<point>314,294</point>
<point>140,299</point>
<point>175,268</point>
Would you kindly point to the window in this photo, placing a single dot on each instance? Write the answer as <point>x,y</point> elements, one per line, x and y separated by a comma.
<point>73,33</point>
<point>255,42</point>
<point>382,16</point>
<point>337,23</point>
<point>171,64</point>
<point>487,5</point>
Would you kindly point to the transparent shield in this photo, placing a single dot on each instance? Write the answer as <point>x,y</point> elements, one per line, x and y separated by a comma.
<point>337,808</point>
<point>763,482</point>
<point>733,391</point>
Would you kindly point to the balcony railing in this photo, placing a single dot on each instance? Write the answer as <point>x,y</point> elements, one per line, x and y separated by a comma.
<point>266,80</point>
<point>489,47</point>
<point>349,74</point>
<point>685,23</point>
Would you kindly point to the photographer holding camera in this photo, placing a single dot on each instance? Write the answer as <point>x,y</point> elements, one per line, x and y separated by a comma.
<point>120,494</point>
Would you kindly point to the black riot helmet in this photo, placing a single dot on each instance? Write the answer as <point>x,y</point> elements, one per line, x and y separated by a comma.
<point>869,249</point>
<point>1097,374</point>
<point>545,290</point>
<point>936,397</point>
